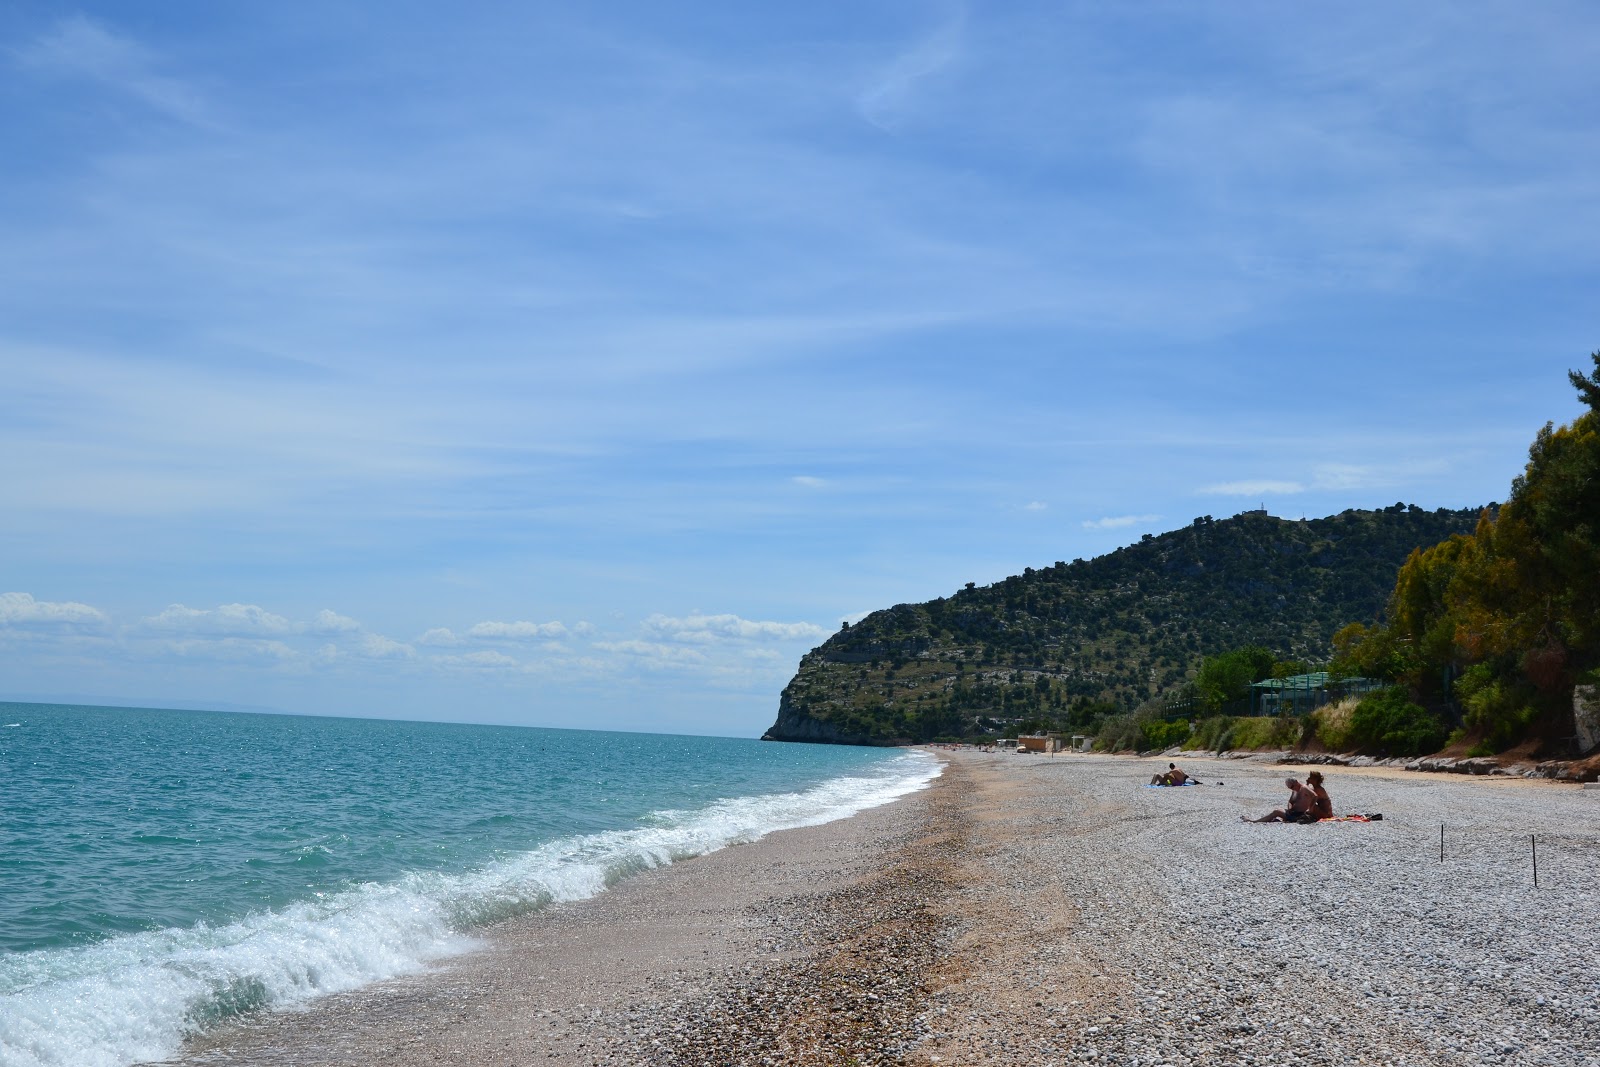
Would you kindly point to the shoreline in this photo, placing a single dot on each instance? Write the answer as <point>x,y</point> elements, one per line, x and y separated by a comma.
<point>1027,911</point>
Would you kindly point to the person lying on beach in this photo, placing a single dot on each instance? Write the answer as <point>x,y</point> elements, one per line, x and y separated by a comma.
<point>1302,806</point>
<point>1324,807</point>
<point>1173,776</point>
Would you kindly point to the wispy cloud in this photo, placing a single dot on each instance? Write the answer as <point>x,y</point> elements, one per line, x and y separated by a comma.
<point>517,631</point>
<point>886,99</point>
<point>79,46</point>
<point>237,650</point>
<point>1117,522</point>
<point>809,481</point>
<point>1255,487</point>
<point>1035,505</point>
<point>708,628</point>
<point>486,659</point>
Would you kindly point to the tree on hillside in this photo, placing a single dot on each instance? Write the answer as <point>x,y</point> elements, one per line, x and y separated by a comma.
<point>1227,678</point>
<point>1588,385</point>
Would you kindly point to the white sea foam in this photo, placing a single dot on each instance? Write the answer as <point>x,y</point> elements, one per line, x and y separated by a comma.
<point>133,998</point>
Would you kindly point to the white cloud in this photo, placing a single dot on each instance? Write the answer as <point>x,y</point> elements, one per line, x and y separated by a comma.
<point>654,654</point>
<point>1343,476</point>
<point>1263,487</point>
<point>583,629</point>
<point>21,609</point>
<point>516,631</point>
<point>856,616</point>
<point>331,622</point>
<point>439,636</point>
<point>233,650</point>
<point>80,47</point>
<point>809,481</point>
<point>1035,505</point>
<point>708,628</point>
<point>1117,522</point>
<point>376,646</point>
<point>482,660</point>
<point>241,619</point>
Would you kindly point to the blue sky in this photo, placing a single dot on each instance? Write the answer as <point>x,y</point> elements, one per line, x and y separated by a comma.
<point>583,365</point>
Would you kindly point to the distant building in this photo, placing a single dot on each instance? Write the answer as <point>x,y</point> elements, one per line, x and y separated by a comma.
<point>1302,693</point>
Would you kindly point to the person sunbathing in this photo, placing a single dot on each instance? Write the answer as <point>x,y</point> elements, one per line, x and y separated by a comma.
<point>1324,807</point>
<point>1302,806</point>
<point>1173,776</point>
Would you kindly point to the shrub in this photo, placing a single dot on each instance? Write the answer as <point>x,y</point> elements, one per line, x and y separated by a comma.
<point>1214,733</point>
<point>1158,734</point>
<point>1265,731</point>
<point>1330,724</point>
<point>1387,723</point>
<point>1498,712</point>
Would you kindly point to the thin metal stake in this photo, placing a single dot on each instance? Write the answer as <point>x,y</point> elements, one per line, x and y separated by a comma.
<point>1441,842</point>
<point>1534,838</point>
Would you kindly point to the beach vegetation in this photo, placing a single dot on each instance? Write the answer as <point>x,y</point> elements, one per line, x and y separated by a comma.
<point>1494,627</point>
<point>1264,732</point>
<point>1390,723</point>
<point>1330,724</point>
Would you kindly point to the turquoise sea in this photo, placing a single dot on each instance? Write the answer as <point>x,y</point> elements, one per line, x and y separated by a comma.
<point>162,871</point>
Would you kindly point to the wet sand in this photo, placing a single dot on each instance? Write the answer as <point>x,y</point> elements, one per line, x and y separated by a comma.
<point>1038,910</point>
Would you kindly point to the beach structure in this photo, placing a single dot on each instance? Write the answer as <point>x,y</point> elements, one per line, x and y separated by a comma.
<point>1299,694</point>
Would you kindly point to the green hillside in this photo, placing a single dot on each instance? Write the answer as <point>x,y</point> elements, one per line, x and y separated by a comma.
<point>1118,629</point>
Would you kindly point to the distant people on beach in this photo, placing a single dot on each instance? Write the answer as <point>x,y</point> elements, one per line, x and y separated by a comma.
<point>1324,808</point>
<point>1174,776</point>
<point>1302,806</point>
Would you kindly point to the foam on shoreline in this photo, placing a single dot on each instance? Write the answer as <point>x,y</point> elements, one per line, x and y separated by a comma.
<point>135,997</point>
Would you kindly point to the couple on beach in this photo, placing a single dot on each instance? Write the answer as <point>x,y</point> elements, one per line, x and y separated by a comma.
<point>1307,803</point>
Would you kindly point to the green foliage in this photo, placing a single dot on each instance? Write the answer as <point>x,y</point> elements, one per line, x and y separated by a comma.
<point>1387,723</point>
<point>1264,732</point>
<point>1330,725</point>
<point>1498,710</point>
<point>1158,734</point>
<point>1214,733</point>
<point>1588,385</point>
<point>1227,678</point>
<point>1513,608</point>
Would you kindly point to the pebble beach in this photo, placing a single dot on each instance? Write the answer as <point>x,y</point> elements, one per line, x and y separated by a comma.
<point>1030,909</point>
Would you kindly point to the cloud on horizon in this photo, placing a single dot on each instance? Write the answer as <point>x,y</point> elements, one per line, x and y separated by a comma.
<point>709,628</point>
<point>22,610</point>
<point>516,631</point>
<point>235,619</point>
<point>1117,522</point>
<point>1252,487</point>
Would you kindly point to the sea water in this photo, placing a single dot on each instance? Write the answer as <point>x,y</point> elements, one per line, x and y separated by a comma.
<point>163,871</point>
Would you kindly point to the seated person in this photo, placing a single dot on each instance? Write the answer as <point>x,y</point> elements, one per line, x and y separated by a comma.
<point>1302,806</point>
<point>1324,808</point>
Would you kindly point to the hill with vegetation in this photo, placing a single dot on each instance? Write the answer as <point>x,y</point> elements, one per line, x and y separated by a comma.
<point>1065,645</point>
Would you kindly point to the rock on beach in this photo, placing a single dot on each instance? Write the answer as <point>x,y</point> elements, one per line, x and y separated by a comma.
<point>1043,911</point>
